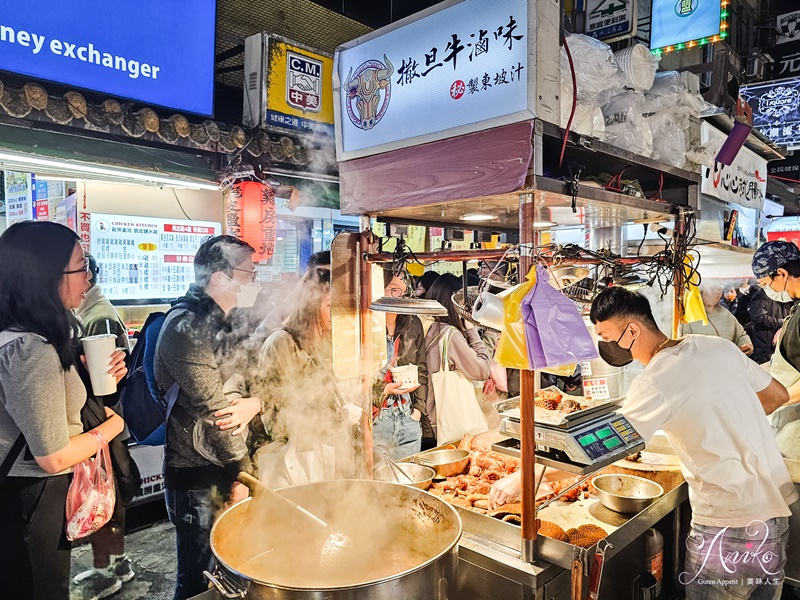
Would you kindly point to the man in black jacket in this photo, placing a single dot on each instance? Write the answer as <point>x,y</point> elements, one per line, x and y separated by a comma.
<point>767,316</point>
<point>205,445</point>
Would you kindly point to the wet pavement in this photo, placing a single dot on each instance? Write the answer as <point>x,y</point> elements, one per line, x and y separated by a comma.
<point>153,553</point>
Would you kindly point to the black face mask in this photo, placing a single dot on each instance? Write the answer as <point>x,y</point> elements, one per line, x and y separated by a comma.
<point>614,354</point>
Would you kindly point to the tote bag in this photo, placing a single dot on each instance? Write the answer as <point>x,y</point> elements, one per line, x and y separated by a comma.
<point>457,409</point>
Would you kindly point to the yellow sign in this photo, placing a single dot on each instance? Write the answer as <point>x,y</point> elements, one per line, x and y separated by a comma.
<point>299,88</point>
<point>147,247</point>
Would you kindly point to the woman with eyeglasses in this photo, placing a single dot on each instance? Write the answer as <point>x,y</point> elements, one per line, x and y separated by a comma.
<point>43,278</point>
<point>306,420</point>
<point>400,423</point>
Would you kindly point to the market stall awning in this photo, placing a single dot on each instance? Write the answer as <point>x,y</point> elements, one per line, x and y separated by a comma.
<point>79,157</point>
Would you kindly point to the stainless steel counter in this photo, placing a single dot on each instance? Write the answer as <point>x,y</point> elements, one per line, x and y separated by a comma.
<point>489,553</point>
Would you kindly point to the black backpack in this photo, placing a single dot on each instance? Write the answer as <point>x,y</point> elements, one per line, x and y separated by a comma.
<point>146,410</point>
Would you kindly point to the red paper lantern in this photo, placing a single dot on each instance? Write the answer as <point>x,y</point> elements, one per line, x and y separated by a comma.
<point>250,215</point>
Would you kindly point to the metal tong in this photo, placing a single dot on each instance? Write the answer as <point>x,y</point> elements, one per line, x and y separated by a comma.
<point>394,468</point>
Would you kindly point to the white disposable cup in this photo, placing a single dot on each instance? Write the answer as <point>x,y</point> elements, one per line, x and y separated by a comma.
<point>98,350</point>
<point>408,375</point>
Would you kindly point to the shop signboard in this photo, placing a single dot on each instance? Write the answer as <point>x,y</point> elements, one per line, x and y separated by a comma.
<point>776,110</point>
<point>158,52</point>
<point>788,26</point>
<point>19,192</point>
<point>150,461</point>
<point>144,258</point>
<point>787,61</point>
<point>288,85</point>
<point>455,70</point>
<point>744,182</point>
<point>680,21</point>
<point>611,20</point>
<point>788,169</point>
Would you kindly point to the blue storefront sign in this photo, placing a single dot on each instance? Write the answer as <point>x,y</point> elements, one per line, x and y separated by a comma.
<point>680,21</point>
<point>158,52</point>
<point>776,110</point>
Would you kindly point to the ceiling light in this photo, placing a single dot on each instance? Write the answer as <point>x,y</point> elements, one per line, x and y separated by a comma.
<point>85,171</point>
<point>544,224</point>
<point>478,216</point>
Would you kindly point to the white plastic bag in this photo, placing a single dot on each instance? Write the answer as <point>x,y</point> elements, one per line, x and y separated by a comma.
<point>281,464</point>
<point>91,496</point>
<point>457,409</point>
<point>596,71</point>
<point>625,126</point>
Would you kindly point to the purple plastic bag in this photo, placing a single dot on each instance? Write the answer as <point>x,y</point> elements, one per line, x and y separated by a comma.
<point>554,330</point>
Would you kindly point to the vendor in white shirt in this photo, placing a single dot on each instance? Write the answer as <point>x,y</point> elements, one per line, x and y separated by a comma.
<point>710,400</point>
<point>776,266</point>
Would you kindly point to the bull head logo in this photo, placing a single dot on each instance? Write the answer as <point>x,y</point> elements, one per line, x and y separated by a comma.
<point>364,91</point>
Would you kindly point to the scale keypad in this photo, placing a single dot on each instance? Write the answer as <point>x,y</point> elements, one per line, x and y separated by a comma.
<point>626,431</point>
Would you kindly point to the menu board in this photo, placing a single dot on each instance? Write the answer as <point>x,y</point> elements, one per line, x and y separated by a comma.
<point>143,258</point>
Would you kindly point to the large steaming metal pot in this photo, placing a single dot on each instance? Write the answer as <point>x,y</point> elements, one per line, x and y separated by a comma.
<point>415,519</point>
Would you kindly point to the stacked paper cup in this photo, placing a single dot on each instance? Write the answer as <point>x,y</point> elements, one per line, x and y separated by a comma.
<point>638,67</point>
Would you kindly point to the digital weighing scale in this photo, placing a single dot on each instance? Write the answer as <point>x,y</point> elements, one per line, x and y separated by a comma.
<point>587,441</point>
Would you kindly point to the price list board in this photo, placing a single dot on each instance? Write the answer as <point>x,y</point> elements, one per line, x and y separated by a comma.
<point>143,258</point>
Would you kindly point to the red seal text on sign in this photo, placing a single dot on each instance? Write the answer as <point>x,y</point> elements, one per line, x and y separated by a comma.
<point>457,89</point>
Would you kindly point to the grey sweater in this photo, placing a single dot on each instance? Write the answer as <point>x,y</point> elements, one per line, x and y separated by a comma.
<point>721,323</point>
<point>185,355</point>
<point>39,399</point>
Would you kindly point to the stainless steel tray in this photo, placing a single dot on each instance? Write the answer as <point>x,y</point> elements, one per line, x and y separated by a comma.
<point>560,553</point>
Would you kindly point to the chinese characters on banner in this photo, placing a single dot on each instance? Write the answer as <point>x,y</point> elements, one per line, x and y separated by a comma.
<point>610,20</point>
<point>462,66</point>
<point>19,192</point>
<point>144,258</point>
<point>776,110</point>
<point>743,183</point>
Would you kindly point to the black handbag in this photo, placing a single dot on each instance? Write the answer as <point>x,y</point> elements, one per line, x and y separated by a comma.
<point>126,472</point>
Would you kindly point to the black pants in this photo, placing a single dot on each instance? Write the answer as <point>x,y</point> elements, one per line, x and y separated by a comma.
<point>192,512</point>
<point>109,540</point>
<point>34,551</point>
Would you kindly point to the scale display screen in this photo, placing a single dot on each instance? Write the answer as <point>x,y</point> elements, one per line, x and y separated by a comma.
<point>605,432</point>
<point>605,438</point>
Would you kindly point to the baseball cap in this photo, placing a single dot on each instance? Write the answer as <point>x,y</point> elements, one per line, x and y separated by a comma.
<point>772,256</point>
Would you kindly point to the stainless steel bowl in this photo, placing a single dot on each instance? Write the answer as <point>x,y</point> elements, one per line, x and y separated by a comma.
<point>420,475</point>
<point>626,493</point>
<point>446,463</point>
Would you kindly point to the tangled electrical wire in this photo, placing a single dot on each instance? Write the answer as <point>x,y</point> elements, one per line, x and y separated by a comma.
<point>669,265</point>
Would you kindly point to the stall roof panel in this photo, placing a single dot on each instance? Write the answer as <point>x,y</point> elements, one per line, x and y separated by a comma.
<point>20,146</point>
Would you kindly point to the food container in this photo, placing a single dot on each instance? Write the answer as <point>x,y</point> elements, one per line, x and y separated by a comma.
<point>408,375</point>
<point>421,475</point>
<point>446,463</point>
<point>404,545</point>
<point>626,493</point>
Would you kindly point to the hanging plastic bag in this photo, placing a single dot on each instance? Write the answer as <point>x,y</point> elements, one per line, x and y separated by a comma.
<point>512,352</point>
<point>282,464</point>
<point>693,307</point>
<point>457,409</point>
<point>91,496</point>
<point>554,330</point>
